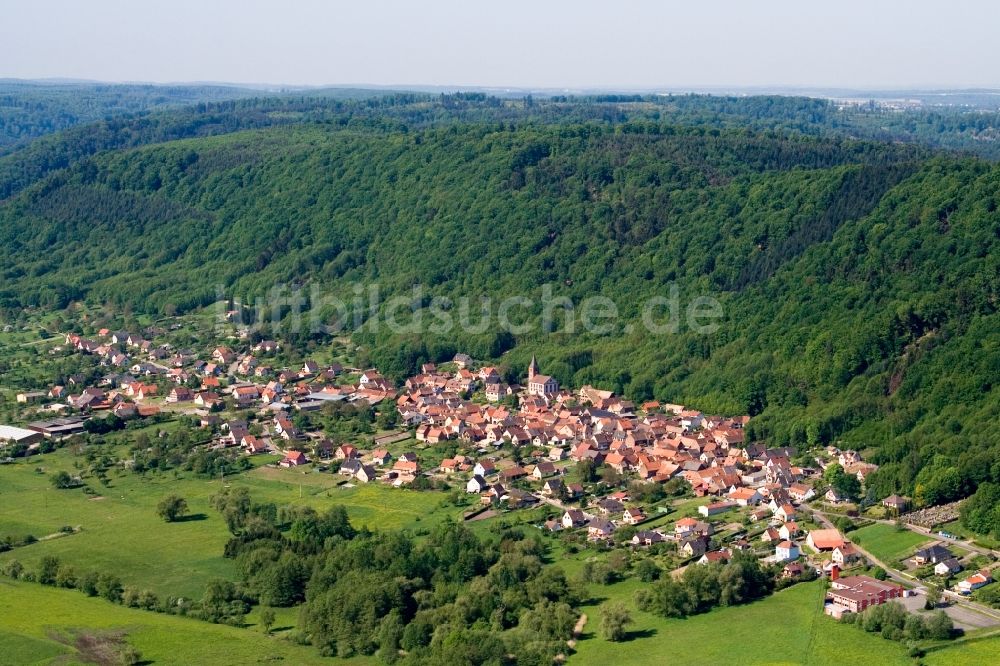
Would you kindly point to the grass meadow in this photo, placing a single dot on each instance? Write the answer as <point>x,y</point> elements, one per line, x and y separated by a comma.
<point>886,542</point>
<point>787,628</point>
<point>37,625</point>
<point>121,532</point>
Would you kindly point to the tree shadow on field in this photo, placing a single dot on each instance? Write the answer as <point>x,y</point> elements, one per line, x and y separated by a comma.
<point>191,517</point>
<point>640,633</point>
<point>593,600</point>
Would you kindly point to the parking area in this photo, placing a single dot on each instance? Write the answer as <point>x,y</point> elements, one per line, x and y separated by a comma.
<point>963,617</point>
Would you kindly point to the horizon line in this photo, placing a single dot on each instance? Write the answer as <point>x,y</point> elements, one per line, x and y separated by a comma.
<point>551,89</point>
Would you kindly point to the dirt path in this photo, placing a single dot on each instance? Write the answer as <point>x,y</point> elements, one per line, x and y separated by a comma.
<point>577,630</point>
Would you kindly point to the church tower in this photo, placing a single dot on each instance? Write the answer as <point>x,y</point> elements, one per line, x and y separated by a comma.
<point>532,368</point>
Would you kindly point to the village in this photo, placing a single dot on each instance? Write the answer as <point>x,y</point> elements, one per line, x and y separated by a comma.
<point>605,470</point>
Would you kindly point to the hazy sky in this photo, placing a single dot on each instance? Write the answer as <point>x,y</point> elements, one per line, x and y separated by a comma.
<point>536,43</point>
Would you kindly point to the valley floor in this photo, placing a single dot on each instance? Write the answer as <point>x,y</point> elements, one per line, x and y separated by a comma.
<point>42,625</point>
<point>787,628</point>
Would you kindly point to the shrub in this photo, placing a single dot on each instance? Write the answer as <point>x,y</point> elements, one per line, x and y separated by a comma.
<point>615,619</point>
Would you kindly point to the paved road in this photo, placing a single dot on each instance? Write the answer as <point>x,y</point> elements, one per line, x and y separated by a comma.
<point>930,534</point>
<point>890,571</point>
<point>968,545</point>
<point>899,577</point>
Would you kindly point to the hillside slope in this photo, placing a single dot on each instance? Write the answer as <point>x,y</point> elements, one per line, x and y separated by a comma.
<point>30,109</point>
<point>858,281</point>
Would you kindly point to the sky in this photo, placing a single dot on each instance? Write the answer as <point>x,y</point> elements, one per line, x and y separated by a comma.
<point>560,44</point>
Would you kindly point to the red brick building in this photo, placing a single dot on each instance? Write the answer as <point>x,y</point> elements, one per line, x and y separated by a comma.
<point>856,593</point>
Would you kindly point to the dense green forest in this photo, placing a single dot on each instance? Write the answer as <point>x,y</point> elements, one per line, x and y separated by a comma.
<point>32,109</point>
<point>858,279</point>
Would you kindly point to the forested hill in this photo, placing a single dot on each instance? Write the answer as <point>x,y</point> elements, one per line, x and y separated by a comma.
<point>858,280</point>
<point>29,109</point>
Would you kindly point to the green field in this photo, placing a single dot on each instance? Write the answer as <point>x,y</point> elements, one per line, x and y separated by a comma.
<point>122,533</point>
<point>886,542</point>
<point>972,652</point>
<point>161,639</point>
<point>786,628</point>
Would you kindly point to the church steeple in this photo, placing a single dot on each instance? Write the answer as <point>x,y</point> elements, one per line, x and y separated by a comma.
<point>532,368</point>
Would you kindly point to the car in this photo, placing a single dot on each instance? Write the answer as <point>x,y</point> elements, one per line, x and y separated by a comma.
<point>947,535</point>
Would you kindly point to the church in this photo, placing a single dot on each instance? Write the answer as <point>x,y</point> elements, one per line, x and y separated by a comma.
<point>541,385</point>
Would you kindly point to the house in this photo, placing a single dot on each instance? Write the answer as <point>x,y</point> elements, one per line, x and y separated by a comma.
<point>716,507</point>
<point>542,470</point>
<point>406,468</point>
<point>931,554</point>
<point>770,535</point>
<point>253,445</point>
<point>573,518</point>
<point>745,496</point>
<point>323,449</point>
<point>789,530</point>
<point>520,499</point>
<point>223,355</point>
<point>286,428</point>
<point>610,505</point>
<point>143,391</point>
<point>381,457</point>
<point>244,395</point>
<point>713,556</point>
<point>484,468</point>
<point>975,581</point>
<point>647,538</point>
<point>266,347</point>
<point>947,567</point>
<point>451,465</point>
<point>365,474</point>
<point>599,528</point>
<point>633,516</point>
<point>30,396</point>
<point>234,431</point>
<point>685,526</point>
<point>350,467</point>
<point>497,391</point>
<point>294,459</point>
<point>896,503</point>
<point>345,452</point>
<point>801,492</point>
<point>824,539</point>
<point>694,546</point>
<point>553,488</point>
<point>125,410</point>
<point>845,554</point>
<point>462,360</point>
<point>834,496</point>
<point>180,394</point>
<point>208,400</point>
<point>785,513</point>
<point>512,474</point>
<point>792,569</point>
<point>476,484</point>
